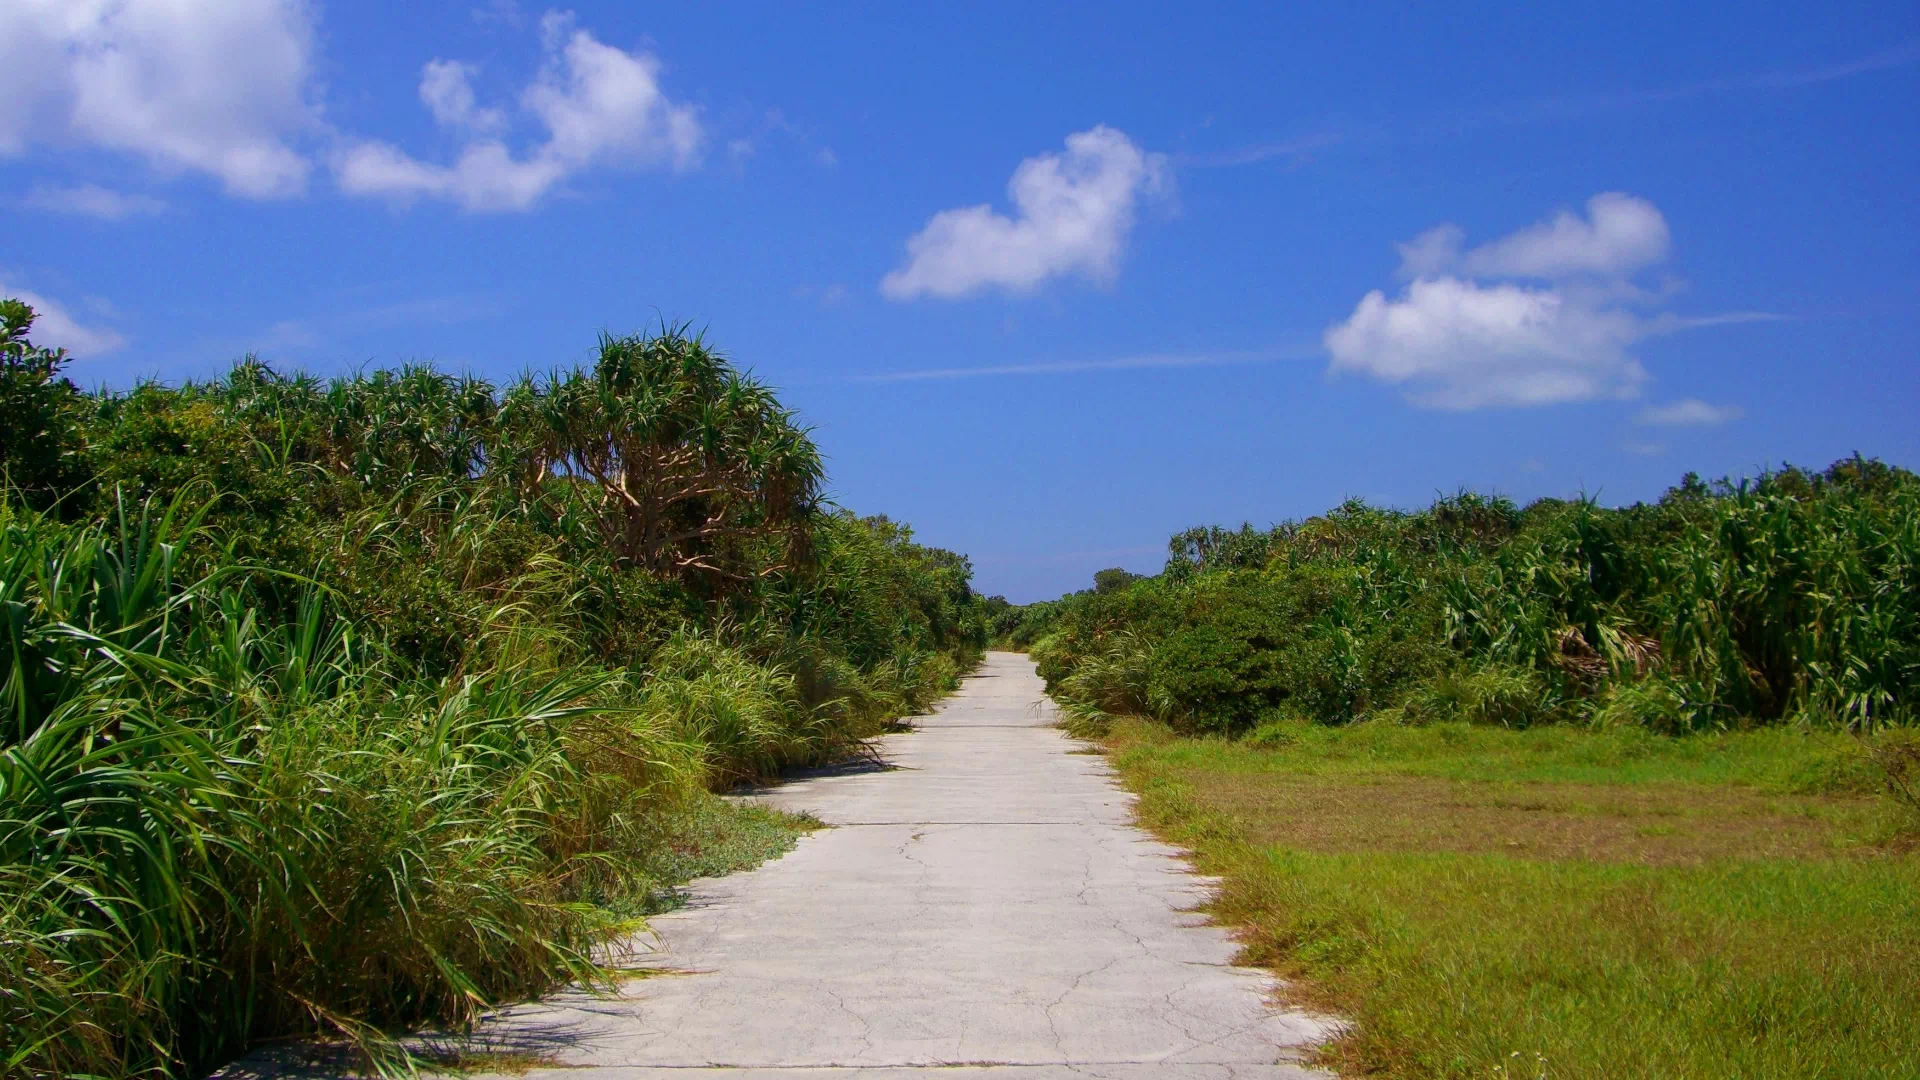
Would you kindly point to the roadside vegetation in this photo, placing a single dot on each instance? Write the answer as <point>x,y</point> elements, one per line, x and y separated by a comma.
<point>1554,791</point>
<point>342,707</point>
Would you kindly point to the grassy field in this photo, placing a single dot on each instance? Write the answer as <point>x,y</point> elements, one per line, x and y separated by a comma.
<point>1560,902</point>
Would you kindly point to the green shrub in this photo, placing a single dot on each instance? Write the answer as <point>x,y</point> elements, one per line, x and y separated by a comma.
<point>1792,596</point>
<point>337,708</point>
<point>1502,694</point>
<point>41,449</point>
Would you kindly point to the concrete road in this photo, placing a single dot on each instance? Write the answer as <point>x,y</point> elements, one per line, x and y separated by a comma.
<point>984,909</point>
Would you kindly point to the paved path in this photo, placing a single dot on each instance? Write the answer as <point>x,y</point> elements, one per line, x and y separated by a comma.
<point>983,911</point>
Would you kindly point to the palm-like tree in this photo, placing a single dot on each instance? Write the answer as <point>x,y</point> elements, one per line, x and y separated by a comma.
<point>688,463</point>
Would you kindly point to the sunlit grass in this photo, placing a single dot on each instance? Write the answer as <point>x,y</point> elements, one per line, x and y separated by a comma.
<point>709,836</point>
<point>1451,955</point>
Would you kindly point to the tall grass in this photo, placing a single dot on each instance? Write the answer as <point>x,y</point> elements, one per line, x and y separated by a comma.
<point>216,827</point>
<point>331,708</point>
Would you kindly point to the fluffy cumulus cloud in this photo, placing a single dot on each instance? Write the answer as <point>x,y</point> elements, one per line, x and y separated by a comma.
<point>54,327</point>
<point>597,105</point>
<point>189,86</point>
<point>1465,345</point>
<point>1543,315</point>
<point>1621,234</point>
<point>1072,214</point>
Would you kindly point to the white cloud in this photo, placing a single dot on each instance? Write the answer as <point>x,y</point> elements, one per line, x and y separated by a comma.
<point>1621,234</point>
<point>56,328</point>
<point>90,200</point>
<point>830,295</point>
<point>1295,150</point>
<point>447,94</point>
<point>1073,212</point>
<point>219,88</point>
<point>1463,334</point>
<point>1431,252</point>
<point>599,105</point>
<point>1463,345</point>
<point>1690,412</point>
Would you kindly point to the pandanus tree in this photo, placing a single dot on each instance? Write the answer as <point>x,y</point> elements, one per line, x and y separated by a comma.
<point>383,428</point>
<point>415,422</point>
<point>691,467</point>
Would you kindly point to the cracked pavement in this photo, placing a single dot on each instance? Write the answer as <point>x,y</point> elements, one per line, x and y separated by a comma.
<point>985,909</point>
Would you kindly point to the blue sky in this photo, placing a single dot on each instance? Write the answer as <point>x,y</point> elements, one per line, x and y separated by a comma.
<point>1050,284</point>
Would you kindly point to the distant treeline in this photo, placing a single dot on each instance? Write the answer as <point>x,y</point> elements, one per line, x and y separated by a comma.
<point>1789,597</point>
<point>334,706</point>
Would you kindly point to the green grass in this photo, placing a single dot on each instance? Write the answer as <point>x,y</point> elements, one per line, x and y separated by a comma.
<point>710,836</point>
<point>1598,951</point>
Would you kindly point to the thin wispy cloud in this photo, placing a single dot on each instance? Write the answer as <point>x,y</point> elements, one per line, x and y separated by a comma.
<point>89,200</point>
<point>1689,412</point>
<point>1124,363</point>
<point>1669,323</point>
<point>774,129</point>
<point>58,328</point>
<point>1255,153</point>
<point>1548,110</point>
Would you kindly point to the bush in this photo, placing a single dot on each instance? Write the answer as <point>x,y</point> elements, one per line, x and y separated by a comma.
<point>334,708</point>
<point>1793,596</point>
<point>40,446</point>
<point>1513,697</point>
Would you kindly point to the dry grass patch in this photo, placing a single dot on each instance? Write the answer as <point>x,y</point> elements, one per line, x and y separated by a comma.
<point>1658,825</point>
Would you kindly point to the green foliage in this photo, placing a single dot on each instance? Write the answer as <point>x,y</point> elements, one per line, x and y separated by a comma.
<point>1500,694</point>
<point>1787,597</point>
<point>684,461</point>
<point>39,435</point>
<point>336,707</point>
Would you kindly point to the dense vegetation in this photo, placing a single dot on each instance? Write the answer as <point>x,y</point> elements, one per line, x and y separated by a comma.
<point>1562,791</point>
<point>339,706</point>
<point>1790,597</point>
